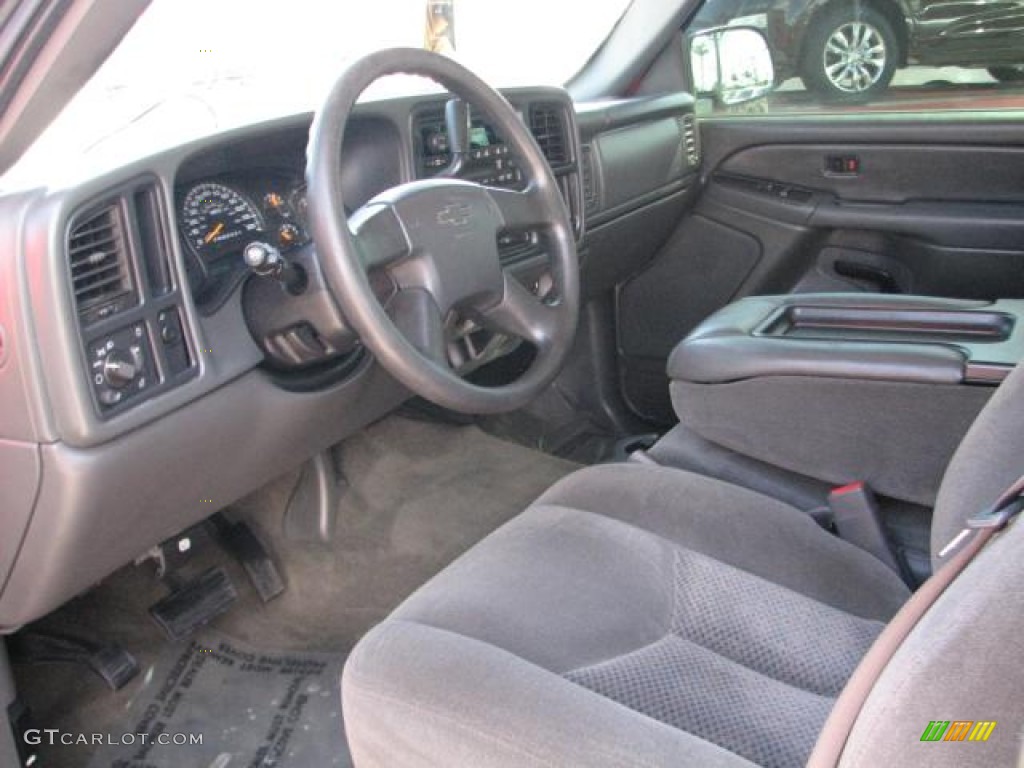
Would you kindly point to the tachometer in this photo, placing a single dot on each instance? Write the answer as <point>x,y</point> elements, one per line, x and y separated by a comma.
<point>216,218</point>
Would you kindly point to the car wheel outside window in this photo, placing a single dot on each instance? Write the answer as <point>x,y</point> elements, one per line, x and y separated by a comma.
<point>850,54</point>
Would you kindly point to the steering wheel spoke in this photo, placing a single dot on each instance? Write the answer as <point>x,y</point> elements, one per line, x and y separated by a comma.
<point>520,209</point>
<point>416,315</point>
<point>379,235</point>
<point>524,315</point>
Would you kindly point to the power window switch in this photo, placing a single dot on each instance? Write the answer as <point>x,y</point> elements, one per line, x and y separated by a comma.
<point>842,165</point>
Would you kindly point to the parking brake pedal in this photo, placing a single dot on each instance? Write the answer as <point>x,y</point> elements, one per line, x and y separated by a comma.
<point>195,603</point>
<point>110,661</point>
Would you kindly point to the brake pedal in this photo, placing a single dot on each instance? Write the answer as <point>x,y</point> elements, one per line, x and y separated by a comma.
<point>195,603</point>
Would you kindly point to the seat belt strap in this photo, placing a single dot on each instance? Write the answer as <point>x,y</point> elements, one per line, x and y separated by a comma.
<point>979,531</point>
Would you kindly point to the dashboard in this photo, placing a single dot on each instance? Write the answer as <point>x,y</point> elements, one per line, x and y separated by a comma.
<point>149,377</point>
<point>233,196</point>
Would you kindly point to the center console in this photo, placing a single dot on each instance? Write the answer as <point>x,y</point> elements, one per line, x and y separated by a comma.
<point>844,387</point>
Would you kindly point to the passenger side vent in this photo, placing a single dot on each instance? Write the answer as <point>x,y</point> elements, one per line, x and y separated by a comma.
<point>98,255</point>
<point>590,198</point>
<point>690,138</point>
<point>548,129</point>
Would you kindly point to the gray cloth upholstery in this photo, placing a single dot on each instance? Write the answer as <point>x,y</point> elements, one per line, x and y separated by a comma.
<point>414,695</point>
<point>633,615</point>
<point>639,615</point>
<point>962,662</point>
<point>737,666</point>
<point>988,461</point>
<point>897,436</point>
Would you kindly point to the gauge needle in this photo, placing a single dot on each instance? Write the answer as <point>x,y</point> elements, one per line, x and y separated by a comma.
<point>214,232</point>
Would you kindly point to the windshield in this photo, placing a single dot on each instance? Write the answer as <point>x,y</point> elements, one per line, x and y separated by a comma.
<point>190,68</point>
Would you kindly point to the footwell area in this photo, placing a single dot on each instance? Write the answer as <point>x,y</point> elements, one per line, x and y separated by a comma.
<point>247,707</point>
<point>417,495</point>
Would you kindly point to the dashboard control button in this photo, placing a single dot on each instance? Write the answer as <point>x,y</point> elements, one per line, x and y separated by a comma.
<point>169,332</point>
<point>122,366</point>
<point>175,350</point>
<point>170,326</point>
<point>111,396</point>
<point>120,369</point>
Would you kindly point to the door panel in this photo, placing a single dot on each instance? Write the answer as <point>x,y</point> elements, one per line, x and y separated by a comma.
<point>888,173</point>
<point>933,206</point>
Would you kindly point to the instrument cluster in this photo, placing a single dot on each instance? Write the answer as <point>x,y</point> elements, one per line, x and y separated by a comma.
<point>219,217</point>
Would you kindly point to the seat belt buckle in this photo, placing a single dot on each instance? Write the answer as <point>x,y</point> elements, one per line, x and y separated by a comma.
<point>858,520</point>
<point>998,515</point>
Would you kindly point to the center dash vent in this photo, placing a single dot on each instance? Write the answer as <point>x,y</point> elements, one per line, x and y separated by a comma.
<point>690,138</point>
<point>98,255</point>
<point>548,128</point>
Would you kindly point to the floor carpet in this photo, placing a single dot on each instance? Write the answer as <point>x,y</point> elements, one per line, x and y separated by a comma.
<point>211,701</point>
<point>417,495</point>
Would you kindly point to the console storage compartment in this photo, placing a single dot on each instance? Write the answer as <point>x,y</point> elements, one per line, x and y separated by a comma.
<point>845,387</point>
<point>884,324</point>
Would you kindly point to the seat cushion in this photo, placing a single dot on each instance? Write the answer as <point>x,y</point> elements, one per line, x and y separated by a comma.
<point>633,615</point>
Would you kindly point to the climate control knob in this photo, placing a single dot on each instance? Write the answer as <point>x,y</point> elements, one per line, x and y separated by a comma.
<point>119,369</point>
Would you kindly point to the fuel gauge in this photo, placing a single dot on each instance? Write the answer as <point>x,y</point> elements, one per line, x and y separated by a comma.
<point>288,235</point>
<point>274,202</point>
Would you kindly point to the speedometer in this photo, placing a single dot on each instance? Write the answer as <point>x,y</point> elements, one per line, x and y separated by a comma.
<point>216,218</point>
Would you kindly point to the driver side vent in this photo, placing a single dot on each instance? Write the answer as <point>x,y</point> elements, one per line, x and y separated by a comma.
<point>98,255</point>
<point>690,139</point>
<point>548,129</point>
<point>590,198</point>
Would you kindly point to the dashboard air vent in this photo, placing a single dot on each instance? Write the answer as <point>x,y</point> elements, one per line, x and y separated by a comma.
<point>548,129</point>
<point>98,254</point>
<point>153,240</point>
<point>590,201</point>
<point>690,139</point>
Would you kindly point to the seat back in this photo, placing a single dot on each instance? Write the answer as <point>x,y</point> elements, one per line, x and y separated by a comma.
<point>961,665</point>
<point>990,458</point>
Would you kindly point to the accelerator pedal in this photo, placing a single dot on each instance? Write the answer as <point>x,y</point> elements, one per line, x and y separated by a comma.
<point>238,539</point>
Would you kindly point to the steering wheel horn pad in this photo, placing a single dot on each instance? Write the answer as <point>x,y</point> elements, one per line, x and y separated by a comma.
<point>449,231</point>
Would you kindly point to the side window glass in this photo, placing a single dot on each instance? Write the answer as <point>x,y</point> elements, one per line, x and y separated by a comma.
<point>784,56</point>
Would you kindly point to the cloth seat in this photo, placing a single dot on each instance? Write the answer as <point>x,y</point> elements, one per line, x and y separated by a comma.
<point>645,616</point>
<point>633,615</point>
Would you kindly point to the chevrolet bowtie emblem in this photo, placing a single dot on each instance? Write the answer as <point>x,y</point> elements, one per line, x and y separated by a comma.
<point>455,215</point>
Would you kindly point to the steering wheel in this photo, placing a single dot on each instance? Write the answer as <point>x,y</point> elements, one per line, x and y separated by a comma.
<point>437,242</point>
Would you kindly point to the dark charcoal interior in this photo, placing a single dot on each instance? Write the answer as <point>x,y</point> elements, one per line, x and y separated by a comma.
<point>607,424</point>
